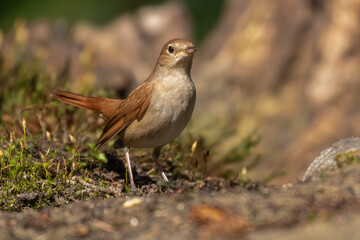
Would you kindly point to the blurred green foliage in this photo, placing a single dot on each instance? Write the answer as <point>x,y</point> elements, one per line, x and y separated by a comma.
<point>205,13</point>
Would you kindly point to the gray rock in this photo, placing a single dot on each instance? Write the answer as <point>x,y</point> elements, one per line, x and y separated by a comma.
<point>341,153</point>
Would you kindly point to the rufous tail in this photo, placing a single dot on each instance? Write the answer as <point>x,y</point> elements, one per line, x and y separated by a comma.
<point>104,106</point>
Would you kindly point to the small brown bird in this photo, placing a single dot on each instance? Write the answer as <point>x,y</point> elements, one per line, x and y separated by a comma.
<point>154,113</point>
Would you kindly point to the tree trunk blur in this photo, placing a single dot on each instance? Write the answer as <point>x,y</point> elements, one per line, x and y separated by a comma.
<point>289,68</point>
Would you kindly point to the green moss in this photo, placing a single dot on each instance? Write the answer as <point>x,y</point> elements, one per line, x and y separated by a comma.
<point>36,178</point>
<point>344,159</point>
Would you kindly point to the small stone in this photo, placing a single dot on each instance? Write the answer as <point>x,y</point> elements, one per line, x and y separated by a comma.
<point>180,207</point>
<point>134,221</point>
<point>132,202</point>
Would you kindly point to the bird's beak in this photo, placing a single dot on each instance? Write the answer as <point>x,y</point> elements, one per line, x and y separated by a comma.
<point>189,50</point>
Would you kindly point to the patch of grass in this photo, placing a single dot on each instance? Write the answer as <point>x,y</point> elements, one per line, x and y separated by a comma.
<point>31,177</point>
<point>192,159</point>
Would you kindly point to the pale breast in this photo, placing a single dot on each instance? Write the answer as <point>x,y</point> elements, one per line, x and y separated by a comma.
<point>170,109</point>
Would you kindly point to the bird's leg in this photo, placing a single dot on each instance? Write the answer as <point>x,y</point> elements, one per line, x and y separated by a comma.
<point>127,157</point>
<point>155,156</point>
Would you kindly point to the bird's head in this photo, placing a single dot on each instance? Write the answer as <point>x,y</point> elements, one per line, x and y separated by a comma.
<point>177,53</point>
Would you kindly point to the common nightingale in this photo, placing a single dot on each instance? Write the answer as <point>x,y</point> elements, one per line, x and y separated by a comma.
<point>154,113</point>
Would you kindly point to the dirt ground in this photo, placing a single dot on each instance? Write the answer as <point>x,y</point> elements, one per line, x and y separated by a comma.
<point>212,209</point>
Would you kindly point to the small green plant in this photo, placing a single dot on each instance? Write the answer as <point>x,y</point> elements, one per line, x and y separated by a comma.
<point>194,159</point>
<point>100,156</point>
<point>72,139</point>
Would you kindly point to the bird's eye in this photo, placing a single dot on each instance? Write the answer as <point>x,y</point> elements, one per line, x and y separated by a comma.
<point>171,49</point>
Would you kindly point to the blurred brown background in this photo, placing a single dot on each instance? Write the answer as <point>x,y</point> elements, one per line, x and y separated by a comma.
<point>287,68</point>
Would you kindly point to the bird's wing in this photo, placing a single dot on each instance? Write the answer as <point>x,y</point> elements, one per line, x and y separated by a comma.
<point>133,107</point>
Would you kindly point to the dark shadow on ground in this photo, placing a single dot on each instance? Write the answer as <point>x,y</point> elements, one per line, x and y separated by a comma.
<point>117,166</point>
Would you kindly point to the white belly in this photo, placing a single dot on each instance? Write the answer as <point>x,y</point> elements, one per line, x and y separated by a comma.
<point>169,112</point>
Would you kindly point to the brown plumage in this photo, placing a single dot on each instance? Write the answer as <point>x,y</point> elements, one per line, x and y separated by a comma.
<point>118,113</point>
<point>105,107</point>
<point>156,111</point>
<point>130,109</point>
